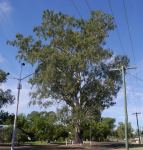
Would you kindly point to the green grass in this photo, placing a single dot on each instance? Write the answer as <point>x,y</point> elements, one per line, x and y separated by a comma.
<point>37,143</point>
<point>43,143</point>
<point>139,148</point>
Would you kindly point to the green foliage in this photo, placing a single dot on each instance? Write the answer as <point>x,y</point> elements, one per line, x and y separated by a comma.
<point>70,52</point>
<point>2,76</point>
<point>5,96</point>
<point>6,134</point>
<point>64,115</point>
<point>61,133</point>
<point>100,131</point>
<point>120,131</point>
<point>72,63</point>
<point>6,118</point>
<point>21,137</point>
<point>49,127</point>
<point>37,125</point>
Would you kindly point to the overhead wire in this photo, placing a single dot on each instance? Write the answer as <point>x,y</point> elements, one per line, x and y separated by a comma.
<point>131,101</point>
<point>131,41</point>
<point>117,30</point>
<point>137,78</point>
<point>129,31</point>
<point>138,109</point>
<point>88,5</point>
<point>119,37</point>
<point>76,8</point>
<point>130,38</point>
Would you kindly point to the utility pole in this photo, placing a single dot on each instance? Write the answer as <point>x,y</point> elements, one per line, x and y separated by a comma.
<point>125,107</point>
<point>138,130</point>
<point>122,70</point>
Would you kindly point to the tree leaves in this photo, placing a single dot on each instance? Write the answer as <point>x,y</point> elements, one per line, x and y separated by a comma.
<point>71,61</point>
<point>5,96</point>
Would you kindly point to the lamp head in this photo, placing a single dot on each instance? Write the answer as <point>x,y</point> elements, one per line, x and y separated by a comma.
<point>23,64</point>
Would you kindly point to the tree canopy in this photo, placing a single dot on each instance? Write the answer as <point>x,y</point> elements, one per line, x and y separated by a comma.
<point>5,95</point>
<point>72,62</point>
<point>120,131</point>
<point>53,127</point>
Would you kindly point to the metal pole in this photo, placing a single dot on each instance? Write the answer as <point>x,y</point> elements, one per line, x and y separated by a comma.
<point>90,135</point>
<point>16,113</point>
<point>18,96</point>
<point>138,130</point>
<point>15,118</point>
<point>125,109</point>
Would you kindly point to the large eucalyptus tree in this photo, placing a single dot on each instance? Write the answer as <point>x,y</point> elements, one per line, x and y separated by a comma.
<point>72,63</point>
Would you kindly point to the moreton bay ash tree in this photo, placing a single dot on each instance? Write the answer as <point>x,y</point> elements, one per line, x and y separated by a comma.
<point>72,63</point>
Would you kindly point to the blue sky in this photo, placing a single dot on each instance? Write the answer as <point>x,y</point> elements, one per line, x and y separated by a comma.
<point>22,15</point>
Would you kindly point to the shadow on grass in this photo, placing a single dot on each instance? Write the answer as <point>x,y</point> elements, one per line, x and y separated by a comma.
<point>136,145</point>
<point>42,147</point>
<point>117,145</point>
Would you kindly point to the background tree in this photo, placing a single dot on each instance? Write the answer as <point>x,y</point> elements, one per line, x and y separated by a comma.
<point>101,130</point>
<point>6,97</point>
<point>120,131</point>
<point>6,119</point>
<point>107,125</point>
<point>48,126</point>
<point>36,126</point>
<point>72,64</point>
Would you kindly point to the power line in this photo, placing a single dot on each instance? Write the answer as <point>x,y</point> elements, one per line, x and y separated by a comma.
<point>88,5</point>
<point>117,31</point>
<point>136,77</point>
<point>128,27</point>
<point>130,37</point>
<point>76,8</point>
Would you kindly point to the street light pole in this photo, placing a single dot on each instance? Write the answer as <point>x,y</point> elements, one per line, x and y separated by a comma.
<point>15,118</point>
<point>17,105</point>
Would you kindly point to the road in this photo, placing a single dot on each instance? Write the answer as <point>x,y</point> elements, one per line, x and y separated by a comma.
<point>97,146</point>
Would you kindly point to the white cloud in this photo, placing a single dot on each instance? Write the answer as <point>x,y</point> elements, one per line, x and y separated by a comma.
<point>24,98</point>
<point>24,95</point>
<point>5,10</point>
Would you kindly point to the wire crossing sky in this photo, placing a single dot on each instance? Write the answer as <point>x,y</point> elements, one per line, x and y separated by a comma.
<point>21,16</point>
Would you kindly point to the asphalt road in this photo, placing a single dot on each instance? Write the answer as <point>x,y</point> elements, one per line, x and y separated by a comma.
<point>97,146</point>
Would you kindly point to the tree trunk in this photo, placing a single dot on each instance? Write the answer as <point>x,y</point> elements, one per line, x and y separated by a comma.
<point>78,135</point>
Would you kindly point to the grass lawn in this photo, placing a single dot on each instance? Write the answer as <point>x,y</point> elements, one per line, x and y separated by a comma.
<point>139,148</point>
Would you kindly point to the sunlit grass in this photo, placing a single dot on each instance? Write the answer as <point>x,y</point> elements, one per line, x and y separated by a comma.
<point>139,148</point>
